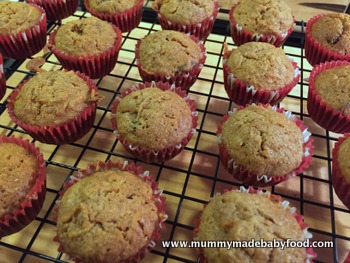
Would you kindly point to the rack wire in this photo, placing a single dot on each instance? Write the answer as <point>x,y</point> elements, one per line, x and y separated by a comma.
<point>195,175</point>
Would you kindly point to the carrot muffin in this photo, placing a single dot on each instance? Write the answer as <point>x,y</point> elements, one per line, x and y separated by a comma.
<point>55,107</point>
<point>194,17</point>
<point>248,215</point>
<point>114,210</point>
<point>170,56</point>
<point>327,38</point>
<point>262,146</point>
<point>329,96</point>
<point>89,45</point>
<point>261,20</point>
<point>258,72</point>
<point>22,29</point>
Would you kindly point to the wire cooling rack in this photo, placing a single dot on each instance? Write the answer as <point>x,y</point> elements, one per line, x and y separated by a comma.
<point>191,178</point>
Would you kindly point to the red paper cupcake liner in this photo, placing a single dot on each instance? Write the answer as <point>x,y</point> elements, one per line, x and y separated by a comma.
<point>29,208</point>
<point>249,178</point>
<point>27,42</point>
<point>137,170</point>
<point>57,9</point>
<point>95,66</point>
<point>184,80</point>
<point>276,198</point>
<point>320,112</point>
<point>243,94</point>
<point>241,36</point>
<point>315,53</point>
<point>347,260</point>
<point>169,152</point>
<point>125,21</point>
<point>199,30</point>
<point>340,184</point>
<point>2,79</point>
<point>63,133</point>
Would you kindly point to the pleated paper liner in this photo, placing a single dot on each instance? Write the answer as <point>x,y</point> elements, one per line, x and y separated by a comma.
<point>2,79</point>
<point>169,152</point>
<point>28,209</point>
<point>245,176</point>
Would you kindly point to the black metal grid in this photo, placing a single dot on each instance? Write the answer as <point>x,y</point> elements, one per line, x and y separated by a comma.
<point>190,179</point>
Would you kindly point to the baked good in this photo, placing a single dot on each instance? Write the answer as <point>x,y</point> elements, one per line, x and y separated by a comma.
<point>2,79</point>
<point>258,72</point>
<point>125,14</point>
<point>329,96</point>
<point>269,21</point>
<point>22,29</point>
<point>89,45</point>
<point>154,121</point>
<point>114,209</point>
<point>327,38</point>
<point>194,17</point>
<point>55,107</point>
<point>260,145</point>
<point>57,9</point>
<point>22,184</point>
<point>170,56</point>
<point>249,215</point>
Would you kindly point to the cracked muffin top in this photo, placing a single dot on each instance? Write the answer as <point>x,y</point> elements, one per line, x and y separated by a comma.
<point>333,32</point>
<point>87,36</point>
<point>263,141</point>
<point>241,216</point>
<point>333,86</point>
<point>51,98</point>
<point>16,17</point>
<point>107,217</point>
<point>168,52</point>
<point>184,11</point>
<point>111,6</point>
<point>264,16</point>
<point>343,158</point>
<point>153,119</point>
<point>18,170</point>
<point>261,65</point>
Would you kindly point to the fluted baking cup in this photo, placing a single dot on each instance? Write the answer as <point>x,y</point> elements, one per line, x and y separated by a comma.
<point>169,152</point>
<point>57,9</point>
<point>28,209</point>
<point>2,79</point>
<point>245,176</point>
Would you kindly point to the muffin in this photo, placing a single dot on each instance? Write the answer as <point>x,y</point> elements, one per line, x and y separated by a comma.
<point>89,45</point>
<point>154,121</point>
<point>258,72</point>
<point>269,21</point>
<point>126,15</point>
<point>262,145</point>
<point>194,17</point>
<point>115,209</point>
<point>327,37</point>
<point>328,101</point>
<point>2,79</point>
<point>57,9</point>
<point>55,107</point>
<point>170,56</point>
<point>22,29</point>
<point>22,184</point>
<point>249,215</point>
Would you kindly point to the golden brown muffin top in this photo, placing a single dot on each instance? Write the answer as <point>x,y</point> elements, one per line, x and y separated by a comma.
<point>85,37</point>
<point>240,216</point>
<point>50,98</point>
<point>18,171</point>
<point>111,6</point>
<point>333,86</point>
<point>264,16</point>
<point>263,141</point>
<point>107,217</point>
<point>333,32</point>
<point>153,119</point>
<point>16,17</point>
<point>169,52</point>
<point>185,12</point>
<point>261,65</point>
<point>343,158</point>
